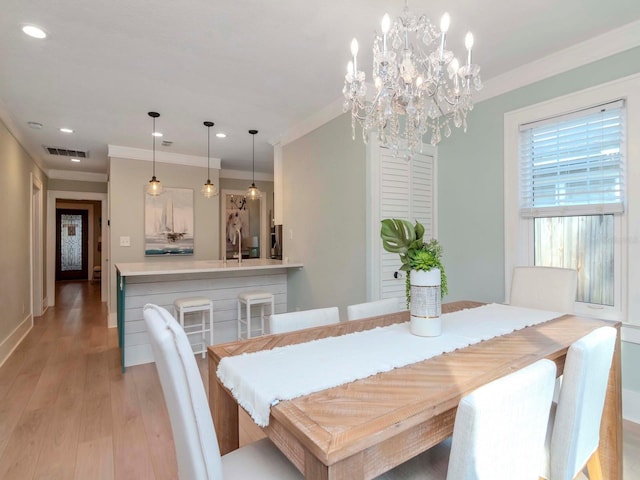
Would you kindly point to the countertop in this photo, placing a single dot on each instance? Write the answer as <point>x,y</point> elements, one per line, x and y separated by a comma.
<point>201,266</point>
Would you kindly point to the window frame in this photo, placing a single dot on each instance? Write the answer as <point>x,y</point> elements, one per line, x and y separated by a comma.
<point>518,231</point>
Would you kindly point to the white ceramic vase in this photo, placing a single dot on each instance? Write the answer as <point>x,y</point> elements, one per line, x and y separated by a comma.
<point>426,303</point>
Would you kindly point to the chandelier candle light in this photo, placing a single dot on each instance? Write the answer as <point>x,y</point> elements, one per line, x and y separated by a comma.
<point>414,77</point>
<point>154,187</point>
<point>209,189</point>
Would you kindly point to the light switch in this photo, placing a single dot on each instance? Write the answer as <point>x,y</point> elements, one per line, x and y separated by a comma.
<point>125,241</point>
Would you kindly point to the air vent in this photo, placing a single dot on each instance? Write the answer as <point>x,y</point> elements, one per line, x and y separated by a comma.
<point>66,152</point>
<point>167,143</point>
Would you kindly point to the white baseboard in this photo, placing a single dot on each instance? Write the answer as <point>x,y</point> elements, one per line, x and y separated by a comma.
<point>14,339</point>
<point>631,405</point>
<point>112,320</point>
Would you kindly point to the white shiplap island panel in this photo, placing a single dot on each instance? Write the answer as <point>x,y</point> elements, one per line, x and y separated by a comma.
<point>163,282</point>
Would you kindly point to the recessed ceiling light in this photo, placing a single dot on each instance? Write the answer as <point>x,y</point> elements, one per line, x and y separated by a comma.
<point>66,130</point>
<point>156,134</point>
<point>221,135</point>
<point>35,125</point>
<point>33,31</point>
<point>76,160</point>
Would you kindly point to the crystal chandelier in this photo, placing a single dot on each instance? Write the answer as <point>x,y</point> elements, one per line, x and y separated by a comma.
<point>414,77</point>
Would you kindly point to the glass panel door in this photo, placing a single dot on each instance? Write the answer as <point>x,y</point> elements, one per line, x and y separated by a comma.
<point>71,244</point>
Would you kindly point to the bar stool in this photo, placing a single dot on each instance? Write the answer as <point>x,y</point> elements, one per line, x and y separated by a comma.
<point>182,306</point>
<point>249,299</point>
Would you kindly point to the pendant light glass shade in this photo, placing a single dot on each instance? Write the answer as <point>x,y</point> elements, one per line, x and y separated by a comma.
<point>154,187</point>
<point>253,193</point>
<point>209,189</point>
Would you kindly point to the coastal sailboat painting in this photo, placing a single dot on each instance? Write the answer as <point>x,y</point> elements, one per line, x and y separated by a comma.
<point>168,223</point>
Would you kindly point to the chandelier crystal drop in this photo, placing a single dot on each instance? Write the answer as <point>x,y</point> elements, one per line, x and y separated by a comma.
<point>419,86</point>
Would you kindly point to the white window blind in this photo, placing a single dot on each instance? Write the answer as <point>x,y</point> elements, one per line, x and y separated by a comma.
<point>573,164</point>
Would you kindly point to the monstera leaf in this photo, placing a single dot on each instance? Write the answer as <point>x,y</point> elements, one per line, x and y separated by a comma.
<point>397,235</point>
<point>401,237</point>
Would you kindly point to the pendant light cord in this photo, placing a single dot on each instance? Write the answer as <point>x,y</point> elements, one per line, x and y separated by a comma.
<point>253,168</point>
<point>154,147</point>
<point>208,152</point>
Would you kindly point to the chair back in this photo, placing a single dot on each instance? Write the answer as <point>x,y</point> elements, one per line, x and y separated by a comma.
<point>576,429</point>
<point>287,322</point>
<point>373,309</point>
<point>500,428</point>
<point>545,288</point>
<point>197,451</point>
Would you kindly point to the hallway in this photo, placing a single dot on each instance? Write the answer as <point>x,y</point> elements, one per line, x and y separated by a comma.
<point>66,411</point>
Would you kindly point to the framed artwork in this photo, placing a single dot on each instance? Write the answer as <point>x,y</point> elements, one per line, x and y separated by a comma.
<point>237,223</point>
<point>168,223</point>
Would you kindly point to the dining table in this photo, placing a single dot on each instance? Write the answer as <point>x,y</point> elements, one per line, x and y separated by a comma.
<point>361,429</point>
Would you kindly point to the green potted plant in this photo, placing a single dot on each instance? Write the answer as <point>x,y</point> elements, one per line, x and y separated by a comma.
<point>426,281</point>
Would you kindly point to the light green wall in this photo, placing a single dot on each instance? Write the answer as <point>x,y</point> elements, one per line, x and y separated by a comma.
<point>470,179</point>
<point>16,167</point>
<point>127,181</point>
<point>325,208</point>
<point>470,189</point>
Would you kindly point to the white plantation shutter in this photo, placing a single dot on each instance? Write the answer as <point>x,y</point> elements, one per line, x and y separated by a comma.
<point>406,192</point>
<point>574,164</point>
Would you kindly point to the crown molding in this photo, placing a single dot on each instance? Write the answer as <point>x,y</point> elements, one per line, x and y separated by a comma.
<point>328,113</point>
<point>594,49</point>
<point>244,175</point>
<point>79,176</point>
<point>118,151</point>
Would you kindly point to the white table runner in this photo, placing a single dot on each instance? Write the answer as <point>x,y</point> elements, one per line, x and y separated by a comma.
<point>261,379</point>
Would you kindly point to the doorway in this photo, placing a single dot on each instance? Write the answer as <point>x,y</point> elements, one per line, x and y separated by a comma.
<point>37,253</point>
<point>72,244</point>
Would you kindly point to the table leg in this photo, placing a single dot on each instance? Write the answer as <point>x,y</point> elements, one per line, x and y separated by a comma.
<point>351,468</point>
<point>224,410</point>
<point>611,426</point>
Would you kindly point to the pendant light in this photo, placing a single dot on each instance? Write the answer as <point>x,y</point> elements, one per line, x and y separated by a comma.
<point>154,186</point>
<point>209,189</point>
<point>253,193</point>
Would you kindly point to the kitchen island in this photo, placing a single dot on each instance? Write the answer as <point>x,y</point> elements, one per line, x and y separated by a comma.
<point>163,282</point>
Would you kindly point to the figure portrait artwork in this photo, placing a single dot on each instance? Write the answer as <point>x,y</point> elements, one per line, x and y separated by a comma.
<point>237,224</point>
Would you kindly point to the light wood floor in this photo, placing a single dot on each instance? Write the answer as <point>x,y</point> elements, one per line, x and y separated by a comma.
<point>67,412</point>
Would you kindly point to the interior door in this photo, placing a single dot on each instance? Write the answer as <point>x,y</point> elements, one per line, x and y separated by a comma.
<point>72,244</point>
<point>397,188</point>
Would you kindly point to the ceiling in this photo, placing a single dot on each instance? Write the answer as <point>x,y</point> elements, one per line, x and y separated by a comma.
<point>242,64</point>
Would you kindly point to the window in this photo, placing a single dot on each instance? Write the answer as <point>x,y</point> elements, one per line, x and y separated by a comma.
<point>571,185</point>
<point>571,192</point>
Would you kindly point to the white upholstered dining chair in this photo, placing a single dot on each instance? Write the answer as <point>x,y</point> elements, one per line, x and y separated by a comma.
<point>498,432</point>
<point>373,309</point>
<point>194,436</point>
<point>574,424</point>
<point>544,288</point>
<point>288,322</point>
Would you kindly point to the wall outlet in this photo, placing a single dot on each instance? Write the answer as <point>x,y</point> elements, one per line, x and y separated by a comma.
<point>125,241</point>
